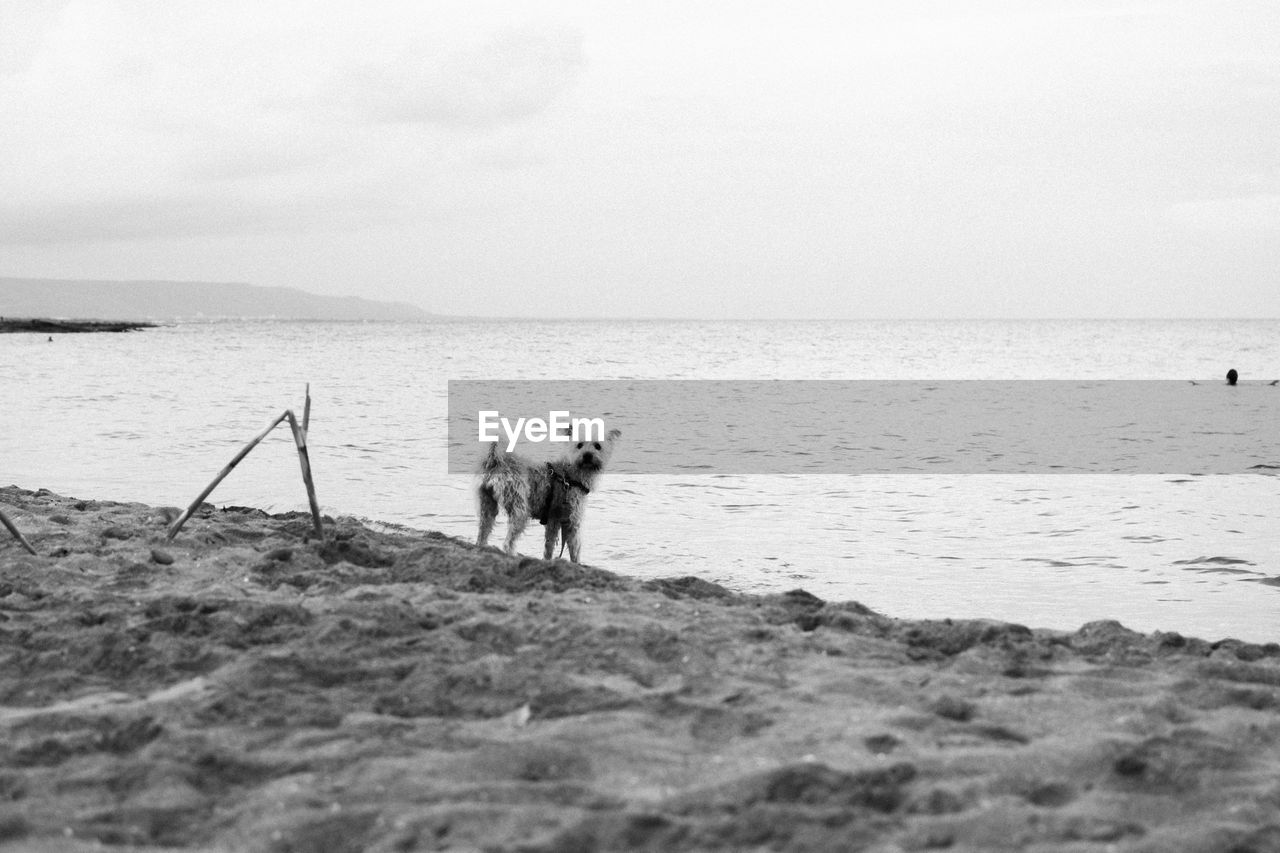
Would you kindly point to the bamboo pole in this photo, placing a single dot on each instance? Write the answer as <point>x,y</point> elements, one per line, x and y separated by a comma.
<point>300,439</point>
<point>17,534</point>
<point>306,411</point>
<point>304,460</point>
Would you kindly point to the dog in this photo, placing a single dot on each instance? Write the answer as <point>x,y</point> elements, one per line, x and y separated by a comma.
<point>555,493</point>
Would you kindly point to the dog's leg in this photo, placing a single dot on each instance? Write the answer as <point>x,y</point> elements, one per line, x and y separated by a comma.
<point>573,539</point>
<point>517,518</point>
<point>553,536</point>
<point>488,513</point>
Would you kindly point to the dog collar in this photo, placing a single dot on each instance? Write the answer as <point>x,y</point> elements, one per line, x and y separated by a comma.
<point>566,480</point>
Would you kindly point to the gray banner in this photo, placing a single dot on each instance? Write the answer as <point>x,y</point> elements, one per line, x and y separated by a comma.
<point>884,427</point>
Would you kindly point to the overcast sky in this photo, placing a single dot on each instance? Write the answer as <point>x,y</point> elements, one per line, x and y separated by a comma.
<point>742,159</point>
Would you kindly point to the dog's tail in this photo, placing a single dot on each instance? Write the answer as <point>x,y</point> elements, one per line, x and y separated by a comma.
<point>496,475</point>
<point>498,479</point>
<point>492,460</point>
<point>490,489</point>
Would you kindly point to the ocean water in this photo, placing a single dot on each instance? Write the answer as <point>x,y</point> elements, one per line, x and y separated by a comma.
<point>152,416</point>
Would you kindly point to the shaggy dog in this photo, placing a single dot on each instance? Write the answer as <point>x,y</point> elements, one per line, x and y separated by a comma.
<point>555,493</point>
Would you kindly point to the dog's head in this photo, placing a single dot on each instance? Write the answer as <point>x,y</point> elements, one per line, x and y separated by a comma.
<point>592,456</point>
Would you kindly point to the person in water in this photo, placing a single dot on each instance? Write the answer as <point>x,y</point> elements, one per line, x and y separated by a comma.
<point>1232,376</point>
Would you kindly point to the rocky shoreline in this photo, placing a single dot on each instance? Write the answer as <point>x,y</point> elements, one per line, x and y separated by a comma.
<point>248,686</point>
<point>42,326</point>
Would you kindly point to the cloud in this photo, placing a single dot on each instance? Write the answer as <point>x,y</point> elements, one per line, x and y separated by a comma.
<point>1248,213</point>
<point>77,221</point>
<point>513,74</point>
<point>128,121</point>
<point>150,217</point>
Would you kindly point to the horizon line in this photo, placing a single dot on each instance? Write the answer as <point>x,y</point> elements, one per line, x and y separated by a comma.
<point>433,315</point>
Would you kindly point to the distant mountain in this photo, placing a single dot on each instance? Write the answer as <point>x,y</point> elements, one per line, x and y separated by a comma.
<point>166,300</point>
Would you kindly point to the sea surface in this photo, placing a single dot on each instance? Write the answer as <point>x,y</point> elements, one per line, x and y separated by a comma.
<point>152,416</point>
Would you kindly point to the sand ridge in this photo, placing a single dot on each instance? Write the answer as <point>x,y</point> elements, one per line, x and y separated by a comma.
<point>249,687</point>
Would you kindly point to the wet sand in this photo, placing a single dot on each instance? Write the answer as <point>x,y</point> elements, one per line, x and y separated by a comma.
<point>248,687</point>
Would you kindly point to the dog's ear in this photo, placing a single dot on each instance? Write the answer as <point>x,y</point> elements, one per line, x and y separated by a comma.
<point>613,434</point>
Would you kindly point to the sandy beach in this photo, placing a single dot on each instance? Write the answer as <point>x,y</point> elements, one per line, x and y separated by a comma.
<point>248,687</point>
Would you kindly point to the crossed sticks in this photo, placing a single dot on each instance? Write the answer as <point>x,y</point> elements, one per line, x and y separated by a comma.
<point>299,439</point>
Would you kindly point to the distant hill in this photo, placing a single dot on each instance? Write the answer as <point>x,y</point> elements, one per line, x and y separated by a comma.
<point>167,300</point>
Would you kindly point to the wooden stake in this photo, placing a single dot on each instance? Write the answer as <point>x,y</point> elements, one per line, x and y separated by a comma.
<point>17,534</point>
<point>300,439</point>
